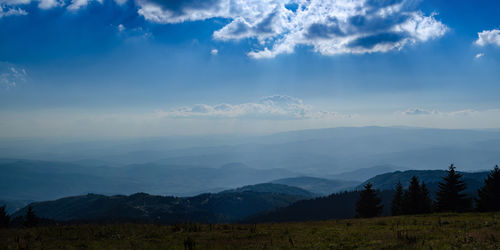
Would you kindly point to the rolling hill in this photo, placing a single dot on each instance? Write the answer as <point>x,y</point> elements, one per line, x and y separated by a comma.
<point>227,206</point>
<point>431,178</point>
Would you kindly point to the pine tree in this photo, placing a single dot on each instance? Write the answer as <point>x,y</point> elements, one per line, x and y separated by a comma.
<point>4,217</point>
<point>368,204</point>
<point>31,220</point>
<point>411,199</point>
<point>397,200</point>
<point>426,201</point>
<point>450,197</point>
<point>489,195</point>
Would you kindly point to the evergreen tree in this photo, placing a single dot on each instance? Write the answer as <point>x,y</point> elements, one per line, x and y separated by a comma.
<point>4,217</point>
<point>416,199</point>
<point>397,200</point>
<point>489,195</point>
<point>411,200</point>
<point>368,204</point>
<point>450,196</point>
<point>426,201</point>
<point>30,220</point>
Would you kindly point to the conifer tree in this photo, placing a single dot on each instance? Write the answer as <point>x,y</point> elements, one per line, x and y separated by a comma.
<point>426,201</point>
<point>450,197</point>
<point>4,217</point>
<point>489,195</point>
<point>411,201</point>
<point>397,200</point>
<point>30,220</point>
<point>368,204</point>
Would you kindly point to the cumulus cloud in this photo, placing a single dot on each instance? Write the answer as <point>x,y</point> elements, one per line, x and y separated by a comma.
<point>488,37</point>
<point>48,4</point>
<point>279,26</point>
<point>330,27</point>
<point>11,75</point>
<point>478,55</point>
<point>214,52</point>
<point>270,107</point>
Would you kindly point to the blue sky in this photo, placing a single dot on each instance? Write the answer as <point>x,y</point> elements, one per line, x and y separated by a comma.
<point>153,67</point>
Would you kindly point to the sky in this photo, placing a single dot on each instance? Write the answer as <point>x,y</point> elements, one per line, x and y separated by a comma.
<point>94,68</point>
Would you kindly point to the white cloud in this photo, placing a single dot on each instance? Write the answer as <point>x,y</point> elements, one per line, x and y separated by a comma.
<point>11,75</point>
<point>48,4</point>
<point>5,12</point>
<point>464,112</point>
<point>488,37</point>
<point>121,27</point>
<point>270,107</point>
<point>418,111</point>
<point>478,55</point>
<point>78,4</point>
<point>330,27</point>
<point>214,52</point>
<point>421,111</point>
<point>273,27</point>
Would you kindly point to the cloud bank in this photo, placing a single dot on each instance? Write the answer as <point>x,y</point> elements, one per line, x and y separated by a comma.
<point>279,26</point>
<point>270,107</point>
<point>421,111</point>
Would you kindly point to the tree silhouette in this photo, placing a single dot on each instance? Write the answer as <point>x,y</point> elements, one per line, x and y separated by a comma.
<point>368,204</point>
<point>4,217</point>
<point>426,201</point>
<point>450,196</point>
<point>489,195</point>
<point>31,220</point>
<point>412,197</point>
<point>397,200</point>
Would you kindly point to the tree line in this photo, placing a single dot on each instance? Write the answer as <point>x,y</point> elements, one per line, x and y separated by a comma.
<point>416,199</point>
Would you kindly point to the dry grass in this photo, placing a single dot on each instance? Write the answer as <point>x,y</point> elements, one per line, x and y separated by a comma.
<point>436,231</point>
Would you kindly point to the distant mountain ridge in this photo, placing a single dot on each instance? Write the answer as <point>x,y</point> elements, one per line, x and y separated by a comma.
<point>364,174</point>
<point>318,185</point>
<point>42,180</point>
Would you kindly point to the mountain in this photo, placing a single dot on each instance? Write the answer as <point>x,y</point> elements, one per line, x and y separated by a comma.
<point>364,174</point>
<point>141,207</point>
<point>317,185</point>
<point>335,206</point>
<point>431,178</point>
<point>44,180</point>
<point>186,166</point>
<point>317,152</point>
<point>273,188</point>
<point>12,206</point>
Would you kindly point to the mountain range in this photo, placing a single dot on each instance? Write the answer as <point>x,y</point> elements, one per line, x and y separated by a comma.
<point>265,202</point>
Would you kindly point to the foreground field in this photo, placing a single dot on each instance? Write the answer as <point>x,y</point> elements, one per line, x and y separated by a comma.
<point>437,231</point>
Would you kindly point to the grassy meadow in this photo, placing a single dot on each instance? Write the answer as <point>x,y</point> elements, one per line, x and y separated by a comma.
<point>436,231</point>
